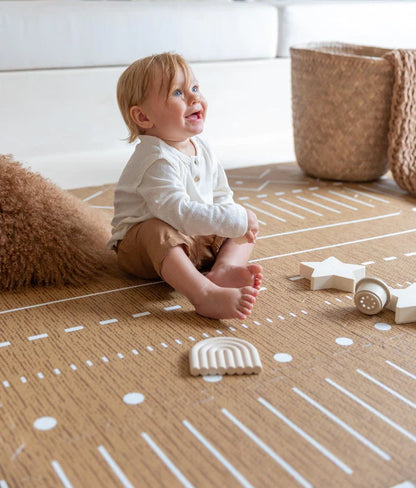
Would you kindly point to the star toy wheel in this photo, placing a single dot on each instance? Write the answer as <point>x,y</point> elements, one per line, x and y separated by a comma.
<point>371,295</point>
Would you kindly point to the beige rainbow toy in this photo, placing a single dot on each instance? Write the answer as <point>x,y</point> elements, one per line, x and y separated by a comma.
<point>224,355</point>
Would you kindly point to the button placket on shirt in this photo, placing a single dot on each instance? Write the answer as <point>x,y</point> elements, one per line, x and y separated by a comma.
<point>195,170</point>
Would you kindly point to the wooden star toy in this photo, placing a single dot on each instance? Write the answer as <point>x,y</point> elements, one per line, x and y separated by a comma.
<point>403,302</point>
<point>332,273</point>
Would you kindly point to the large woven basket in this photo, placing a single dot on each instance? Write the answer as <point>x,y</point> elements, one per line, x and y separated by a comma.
<point>341,102</point>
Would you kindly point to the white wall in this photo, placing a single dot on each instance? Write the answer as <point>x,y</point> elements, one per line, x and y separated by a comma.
<point>66,125</point>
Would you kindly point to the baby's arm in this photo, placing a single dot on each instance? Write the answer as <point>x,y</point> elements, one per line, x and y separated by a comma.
<point>167,199</point>
<point>223,194</point>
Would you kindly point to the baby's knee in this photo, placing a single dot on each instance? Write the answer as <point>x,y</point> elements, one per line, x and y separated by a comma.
<point>145,246</point>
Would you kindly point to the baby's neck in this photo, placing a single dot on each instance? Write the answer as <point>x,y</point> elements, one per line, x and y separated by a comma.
<point>187,147</point>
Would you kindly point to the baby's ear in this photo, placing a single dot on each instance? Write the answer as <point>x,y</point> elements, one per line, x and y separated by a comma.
<point>140,118</point>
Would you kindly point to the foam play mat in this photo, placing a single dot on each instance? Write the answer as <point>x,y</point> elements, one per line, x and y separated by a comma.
<point>95,383</point>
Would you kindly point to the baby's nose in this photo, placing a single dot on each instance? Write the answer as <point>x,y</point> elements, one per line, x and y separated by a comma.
<point>194,96</point>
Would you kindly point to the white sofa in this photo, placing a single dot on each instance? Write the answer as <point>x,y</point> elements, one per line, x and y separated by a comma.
<point>60,62</point>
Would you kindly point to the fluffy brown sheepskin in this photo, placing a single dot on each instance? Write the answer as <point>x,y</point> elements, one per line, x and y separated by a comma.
<point>47,236</point>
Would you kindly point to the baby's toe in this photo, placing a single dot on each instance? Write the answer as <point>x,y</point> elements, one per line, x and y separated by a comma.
<point>249,290</point>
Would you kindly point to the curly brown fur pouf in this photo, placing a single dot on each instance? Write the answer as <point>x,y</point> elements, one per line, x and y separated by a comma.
<point>47,236</point>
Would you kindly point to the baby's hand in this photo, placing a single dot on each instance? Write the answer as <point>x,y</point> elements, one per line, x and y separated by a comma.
<point>252,226</point>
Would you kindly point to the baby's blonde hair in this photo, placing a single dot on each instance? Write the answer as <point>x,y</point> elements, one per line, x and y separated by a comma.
<point>135,83</point>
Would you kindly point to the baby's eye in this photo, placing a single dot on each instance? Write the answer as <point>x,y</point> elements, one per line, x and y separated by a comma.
<point>177,93</point>
<point>195,88</point>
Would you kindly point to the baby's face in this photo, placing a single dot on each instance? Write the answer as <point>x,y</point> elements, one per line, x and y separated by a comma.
<point>179,116</point>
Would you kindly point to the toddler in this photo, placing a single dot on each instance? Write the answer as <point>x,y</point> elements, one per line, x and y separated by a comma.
<point>174,214</point>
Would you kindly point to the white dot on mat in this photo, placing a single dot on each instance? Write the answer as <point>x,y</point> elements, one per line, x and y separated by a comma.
<point>282,357</point>
<point>344,341</point>
<point>382,326</point>
<point>133,398</point>
<point>45,423</point>
<point>212,378</point>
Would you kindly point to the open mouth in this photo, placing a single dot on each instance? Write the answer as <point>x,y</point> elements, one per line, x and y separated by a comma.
<point>195,115</point>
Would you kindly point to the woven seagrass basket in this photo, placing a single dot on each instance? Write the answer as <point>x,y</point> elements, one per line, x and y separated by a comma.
<point>341,102</point>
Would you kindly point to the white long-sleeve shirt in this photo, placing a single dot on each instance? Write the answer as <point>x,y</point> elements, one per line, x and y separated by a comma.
<point>191,193</point>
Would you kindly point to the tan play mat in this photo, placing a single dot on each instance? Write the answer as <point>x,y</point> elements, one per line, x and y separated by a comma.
<point>95,389</point>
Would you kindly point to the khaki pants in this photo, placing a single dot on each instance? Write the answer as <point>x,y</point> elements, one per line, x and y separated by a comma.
<point>146,244</point>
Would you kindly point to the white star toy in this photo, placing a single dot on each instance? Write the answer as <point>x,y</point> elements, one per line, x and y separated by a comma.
<point>332,273</point>
<point>403,302</point>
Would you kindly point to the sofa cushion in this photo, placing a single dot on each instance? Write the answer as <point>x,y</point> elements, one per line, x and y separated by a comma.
<point>388,24</point>
<point>46,34</point>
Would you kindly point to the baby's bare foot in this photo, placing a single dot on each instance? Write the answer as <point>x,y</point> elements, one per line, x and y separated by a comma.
<point>237,276</point>
<point>217,302</point>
